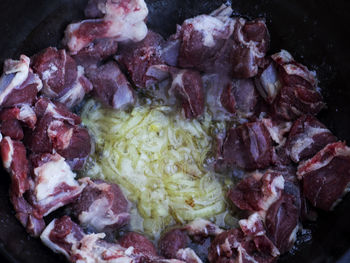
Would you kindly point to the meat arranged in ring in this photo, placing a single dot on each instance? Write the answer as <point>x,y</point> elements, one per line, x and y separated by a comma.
<point>214,63</point>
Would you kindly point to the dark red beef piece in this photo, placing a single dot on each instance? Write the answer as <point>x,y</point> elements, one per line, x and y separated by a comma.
<point>140,243</point>
<point>248,146</point>
<point>326,176</point>
<point>18,84</point>
<point>294,101</point>
<point>138,57</point>
<point>187,85</point>
<point>111,86</point>
<point>101,206</point>
<point>256,194</point>
<point>217,43</point>
<point>63,80</point>
<point>95,8</point>
<point>96,51</point>
<point>53,185</point>
<point>57,129</point>
<point>227,98</point>
<point>173,240</point>
<point>307,137</point>
<point>12,128</point>
<point>57,70</point>
<point>13,155</point>
<point>282,222</point>
<point>56,110</point>
<point>298,94</point>
<point>24,213</point>
<point>24,113</point>
<point>233,246</point>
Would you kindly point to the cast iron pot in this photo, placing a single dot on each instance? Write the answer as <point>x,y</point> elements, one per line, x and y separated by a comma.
<point>315,32</point>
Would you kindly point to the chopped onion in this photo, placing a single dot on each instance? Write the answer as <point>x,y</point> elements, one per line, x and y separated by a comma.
<point>157,157</point>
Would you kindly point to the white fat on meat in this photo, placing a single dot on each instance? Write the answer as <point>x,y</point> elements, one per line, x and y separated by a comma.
<point>15,73</point>
<point>211,28</point>
<point>50,175</point>
<point>52,109</point>
<point>27,115</point>
<point>283,56</point>
<point>305,141</point>
<point>277,132</point>
<point>203,227</point>
<point>45,238</point>
<point>7,159</point>
<point>251,223</point>
<point>97,216</point>
<point>272,192</point>
<point>314,163</point>
<point>76,94</point>
<point>188,255</point>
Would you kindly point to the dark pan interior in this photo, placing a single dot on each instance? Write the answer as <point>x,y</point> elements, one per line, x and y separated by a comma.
<point>315,32</point>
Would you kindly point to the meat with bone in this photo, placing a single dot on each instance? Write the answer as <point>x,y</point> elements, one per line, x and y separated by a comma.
<point>65,237</point>
<point>140,244</point>
<point>307,137</point>
<point>123,20</point>
<point>18,84</point>
<point>218,43</point>
<point>101,206</point>
<point>58,130</point>
<point>53,185</point>
<point>187,85</point>
<point>298,94</point>
<point>248,146</point>
<point>62,79</point>
<point>138,59</point>
<point>326,176</point>
<point>97,51</point>
<point>111,86</point>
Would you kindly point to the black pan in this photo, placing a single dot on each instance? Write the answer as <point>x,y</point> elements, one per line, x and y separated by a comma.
<point>315,32</point>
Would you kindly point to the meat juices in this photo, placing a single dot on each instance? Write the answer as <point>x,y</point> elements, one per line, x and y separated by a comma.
<point>214,62</point>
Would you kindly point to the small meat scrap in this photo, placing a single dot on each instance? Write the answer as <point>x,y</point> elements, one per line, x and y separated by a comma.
<point>248,146</point>
<point>57,130</point>
<point>187,85</point>
<point>123,20</point>
<point>63,80</point>
<point>24,113</point>
<point>111,86</point>
<point>101,206</point>
<point>53,184</point>
<point>18,84</point>
<point>307,137</point>
<point>298,94</point>
<point>139,58</point>
<point>66,237</point>
<point>218,43</point>
<point>326,176</point>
